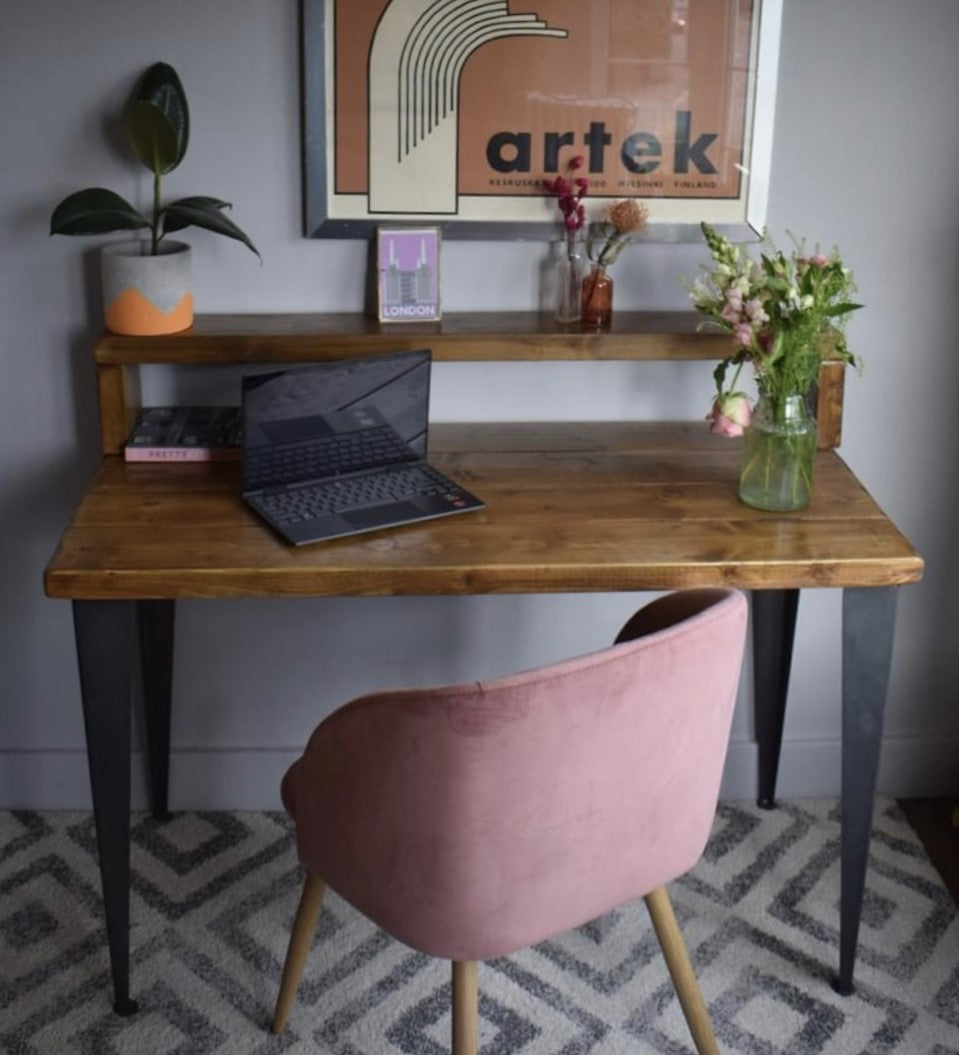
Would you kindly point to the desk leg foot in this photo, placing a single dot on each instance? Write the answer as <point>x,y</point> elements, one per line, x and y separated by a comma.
<point>125,1008</point>
<point>868,621</point>
<point>840,987</point>
<point>773,628</point>
<point>155,619</point>
<point>104,637</point>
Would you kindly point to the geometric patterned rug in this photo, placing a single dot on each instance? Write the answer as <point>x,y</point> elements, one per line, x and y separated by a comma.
<point>214,896</point>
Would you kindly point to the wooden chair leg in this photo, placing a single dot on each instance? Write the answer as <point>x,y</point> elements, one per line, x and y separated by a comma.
<point>301,938</point>
<point>465,1008</point>
<point>681,971</point>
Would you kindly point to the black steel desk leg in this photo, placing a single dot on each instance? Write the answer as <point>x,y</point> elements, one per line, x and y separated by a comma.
<point>155,619</point>
<point>104,635</point>
<point>868,620</point>
<point>774,627</point>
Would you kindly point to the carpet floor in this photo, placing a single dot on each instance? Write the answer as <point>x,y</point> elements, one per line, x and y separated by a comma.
<point>214,896</point>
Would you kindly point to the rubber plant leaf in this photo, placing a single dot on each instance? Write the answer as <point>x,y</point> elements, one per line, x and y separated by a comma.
<point>95,211</point>
<point>206,212</point>
<point>197,201</point>
<point>157,119</point>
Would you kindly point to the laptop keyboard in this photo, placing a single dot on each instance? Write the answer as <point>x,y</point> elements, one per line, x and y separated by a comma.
<point>342,495</point>
<point>342,453</point>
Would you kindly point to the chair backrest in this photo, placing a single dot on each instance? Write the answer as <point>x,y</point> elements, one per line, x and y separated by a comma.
<point>473,820</point>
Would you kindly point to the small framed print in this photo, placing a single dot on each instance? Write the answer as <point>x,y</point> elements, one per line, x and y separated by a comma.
<point>408,273</point>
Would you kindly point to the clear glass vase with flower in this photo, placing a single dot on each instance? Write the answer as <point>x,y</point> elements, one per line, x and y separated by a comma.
<point>783,312</point>
<point>569,191</point>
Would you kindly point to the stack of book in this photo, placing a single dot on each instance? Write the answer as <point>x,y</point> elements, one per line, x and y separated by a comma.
<point>185,434</point>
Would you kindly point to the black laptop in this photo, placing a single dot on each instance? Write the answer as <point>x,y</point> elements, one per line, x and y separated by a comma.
<point>340,448</point>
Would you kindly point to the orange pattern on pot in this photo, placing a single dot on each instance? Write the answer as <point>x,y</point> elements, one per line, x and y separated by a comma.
<point>132,313</point>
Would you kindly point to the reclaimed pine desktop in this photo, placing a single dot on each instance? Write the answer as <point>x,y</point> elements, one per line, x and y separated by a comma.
<point>571,507</point>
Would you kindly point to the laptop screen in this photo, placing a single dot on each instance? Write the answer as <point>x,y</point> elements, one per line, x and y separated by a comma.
<point>289,415</point>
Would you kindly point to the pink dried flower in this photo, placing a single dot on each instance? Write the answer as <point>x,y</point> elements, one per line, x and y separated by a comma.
<point>569,196</point>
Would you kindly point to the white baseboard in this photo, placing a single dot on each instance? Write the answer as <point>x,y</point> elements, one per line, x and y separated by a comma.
<point>250,780</point>
<point>908,768</point>
<point>208,780</point>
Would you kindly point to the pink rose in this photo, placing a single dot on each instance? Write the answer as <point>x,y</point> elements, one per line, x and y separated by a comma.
<point>730,414</point>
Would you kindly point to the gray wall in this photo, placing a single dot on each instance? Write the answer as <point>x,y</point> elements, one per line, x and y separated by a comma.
<point>865,156</point>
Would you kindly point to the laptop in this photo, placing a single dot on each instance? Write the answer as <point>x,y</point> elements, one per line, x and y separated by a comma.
<point>339,448</point>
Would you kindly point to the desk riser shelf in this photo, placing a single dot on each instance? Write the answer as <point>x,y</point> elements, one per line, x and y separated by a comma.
<point>264,340</point>
<point>467,336</point>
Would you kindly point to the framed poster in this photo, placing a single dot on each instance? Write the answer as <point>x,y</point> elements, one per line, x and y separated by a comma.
<point>408,273</point>
<point>452,112</point>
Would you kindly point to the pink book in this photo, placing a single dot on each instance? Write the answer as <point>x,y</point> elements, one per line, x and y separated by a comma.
<point>185,434</point>
<point>180,454</point>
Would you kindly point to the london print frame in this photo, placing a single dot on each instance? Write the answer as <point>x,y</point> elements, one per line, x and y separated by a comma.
<point>407,274</point>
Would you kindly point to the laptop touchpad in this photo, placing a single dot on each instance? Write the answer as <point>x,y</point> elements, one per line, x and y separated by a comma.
<point>376,516</point>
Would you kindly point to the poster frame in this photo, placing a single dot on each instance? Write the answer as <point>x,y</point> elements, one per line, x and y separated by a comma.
<point>322,221</point>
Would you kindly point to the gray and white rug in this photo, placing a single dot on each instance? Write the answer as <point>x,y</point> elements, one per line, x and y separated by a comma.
<point>214,896</point>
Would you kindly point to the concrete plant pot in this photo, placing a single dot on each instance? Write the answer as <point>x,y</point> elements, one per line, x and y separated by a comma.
<point>144,295</point>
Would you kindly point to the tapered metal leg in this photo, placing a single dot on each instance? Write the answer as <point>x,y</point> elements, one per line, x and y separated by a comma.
<point>868,621</point>
<point>773,629</point>
<point>104,636</point>
<point>155,619</point>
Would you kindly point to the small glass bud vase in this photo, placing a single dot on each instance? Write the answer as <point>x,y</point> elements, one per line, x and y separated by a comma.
<point>569,283</point>
<point>597,298</point>
<point>779,453</point>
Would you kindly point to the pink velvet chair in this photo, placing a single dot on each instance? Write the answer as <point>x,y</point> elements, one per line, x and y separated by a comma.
<point>470,821</point>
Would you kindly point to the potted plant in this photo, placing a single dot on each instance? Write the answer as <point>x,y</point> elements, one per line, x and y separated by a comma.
<point>146,282</point>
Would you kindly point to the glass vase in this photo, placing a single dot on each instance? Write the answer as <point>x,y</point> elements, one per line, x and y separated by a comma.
<point>598,297</point>
<point>779,453</point>
<point>569,283</point>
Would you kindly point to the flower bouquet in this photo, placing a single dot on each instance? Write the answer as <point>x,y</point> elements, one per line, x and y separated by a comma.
<point>783,312</point>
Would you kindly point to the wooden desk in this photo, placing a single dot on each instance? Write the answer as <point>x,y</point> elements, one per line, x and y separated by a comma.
<point>570,508</point>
